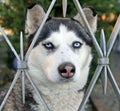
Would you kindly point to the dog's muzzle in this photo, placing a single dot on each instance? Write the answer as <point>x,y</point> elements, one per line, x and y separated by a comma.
<point>66,70</point>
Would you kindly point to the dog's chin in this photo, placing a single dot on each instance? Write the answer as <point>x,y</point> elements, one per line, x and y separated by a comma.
<point>59,86</point>
<point>62,80</point>
<point>56,84</point>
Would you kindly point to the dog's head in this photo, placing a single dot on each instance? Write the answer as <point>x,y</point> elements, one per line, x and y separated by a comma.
<point>62,53</point>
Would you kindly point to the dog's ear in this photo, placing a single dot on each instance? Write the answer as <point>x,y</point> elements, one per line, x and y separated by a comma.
<point>91,16</point>
<point>34,17</point>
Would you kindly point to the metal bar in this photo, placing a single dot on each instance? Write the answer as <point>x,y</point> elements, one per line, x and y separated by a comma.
<point>23,86</point>
<point>40,28</point>
<point>64,6</point>
<point>21,46</point>
<point>90,87</point>
<point>104,71</point>
<point>79,9</point>
<point>104,80</point>
<point>113,36</point>
<point>114,83</point>
<point>9,44</point>
<point>22,72</point>
<point>37,92</point>
<point>9,91</point>
<point>103,43</point>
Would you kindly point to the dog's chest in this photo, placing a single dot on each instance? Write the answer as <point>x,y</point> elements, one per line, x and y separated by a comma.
<point>68,101</point>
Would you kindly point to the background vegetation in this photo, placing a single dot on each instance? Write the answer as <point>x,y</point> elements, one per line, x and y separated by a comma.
<point>12,16</point>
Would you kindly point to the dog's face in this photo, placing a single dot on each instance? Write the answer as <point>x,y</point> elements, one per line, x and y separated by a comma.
<point>62,53</point>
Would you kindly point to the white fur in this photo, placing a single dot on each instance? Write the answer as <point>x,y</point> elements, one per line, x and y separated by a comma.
<point>43,67</point>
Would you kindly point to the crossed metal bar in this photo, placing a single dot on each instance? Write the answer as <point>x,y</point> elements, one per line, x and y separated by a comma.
<point>103,51</point>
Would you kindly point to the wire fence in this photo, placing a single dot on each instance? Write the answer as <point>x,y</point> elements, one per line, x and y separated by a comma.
<point>103,50</point>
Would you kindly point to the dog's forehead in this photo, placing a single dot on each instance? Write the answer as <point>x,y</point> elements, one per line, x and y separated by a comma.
<point>53,25</point>
<point>63,35</point>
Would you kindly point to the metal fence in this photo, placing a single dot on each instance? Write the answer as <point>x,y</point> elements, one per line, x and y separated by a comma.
<point>103,50</point>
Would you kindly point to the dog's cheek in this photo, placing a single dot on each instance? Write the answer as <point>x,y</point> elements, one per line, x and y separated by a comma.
<point>50,68</point>
<point>84,60</point>
<point>37,58</point>
<point>84,56</point>
<point>86,66</point>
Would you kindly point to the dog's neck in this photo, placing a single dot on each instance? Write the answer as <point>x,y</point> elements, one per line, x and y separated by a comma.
<point>58,97</point>
<point>63,101</point>
<point>46,87</point>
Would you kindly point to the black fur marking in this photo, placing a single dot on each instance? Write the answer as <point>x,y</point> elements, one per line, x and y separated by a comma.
<point>94,12</point>
<point>31,6</point>
<point>52,25</point>
<point>29,101</point>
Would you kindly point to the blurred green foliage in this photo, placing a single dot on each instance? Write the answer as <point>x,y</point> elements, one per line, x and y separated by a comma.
<point>12,14</point>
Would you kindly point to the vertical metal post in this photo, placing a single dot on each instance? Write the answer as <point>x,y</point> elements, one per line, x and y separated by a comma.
<point>22,71</point>
<point>104,71</point>
<point>64,4</point>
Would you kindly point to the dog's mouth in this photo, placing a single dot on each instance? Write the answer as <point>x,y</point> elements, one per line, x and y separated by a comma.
<point>64,80</point>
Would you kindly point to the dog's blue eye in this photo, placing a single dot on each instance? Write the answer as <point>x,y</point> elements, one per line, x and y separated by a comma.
<point>48,45</point>
<point>76,44</point>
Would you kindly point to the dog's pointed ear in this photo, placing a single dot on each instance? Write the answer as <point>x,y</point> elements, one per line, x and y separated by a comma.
<point>34,17</point>
<point>91,16</point>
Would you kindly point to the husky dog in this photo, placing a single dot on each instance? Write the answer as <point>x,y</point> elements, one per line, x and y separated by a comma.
<point>59,63</point>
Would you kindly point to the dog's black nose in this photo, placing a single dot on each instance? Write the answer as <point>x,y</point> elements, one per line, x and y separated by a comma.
<point>66,70</point>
